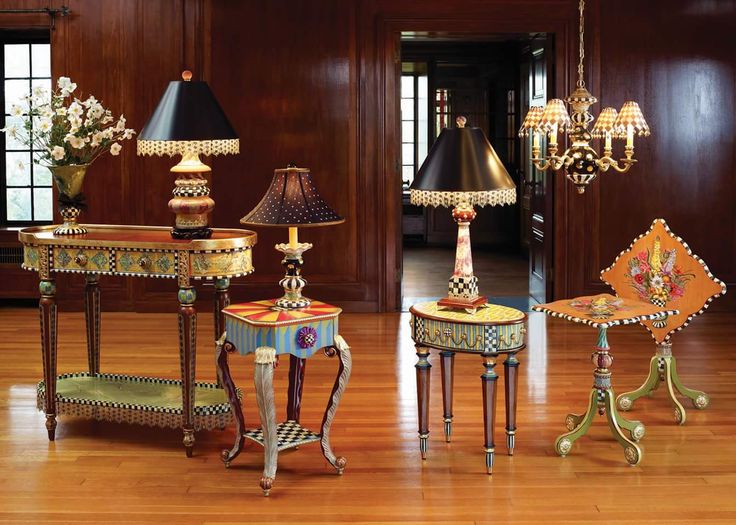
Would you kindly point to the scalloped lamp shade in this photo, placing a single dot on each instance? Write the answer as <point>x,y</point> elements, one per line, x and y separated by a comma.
<point>188,119</point>
<point>606,123</point>
<point>462,168</point>
<point>292,200</point>
<point>531,121</point>
<point>631,115</point>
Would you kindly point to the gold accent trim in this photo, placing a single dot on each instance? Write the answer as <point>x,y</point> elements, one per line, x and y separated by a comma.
<point>451,337</point>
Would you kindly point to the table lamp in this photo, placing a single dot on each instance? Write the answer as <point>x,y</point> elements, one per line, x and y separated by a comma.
<point>292,201</point>
<point>462,171</point>
<point>189,122</point>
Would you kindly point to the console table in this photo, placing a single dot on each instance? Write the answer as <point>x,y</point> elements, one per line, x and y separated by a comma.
<point>134,251</point>
<point>491,331</point>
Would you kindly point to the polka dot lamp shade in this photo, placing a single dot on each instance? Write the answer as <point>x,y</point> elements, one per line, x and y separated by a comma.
<point>292,200</point>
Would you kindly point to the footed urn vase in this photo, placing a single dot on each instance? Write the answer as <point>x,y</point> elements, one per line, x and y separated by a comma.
<point>69,180</point>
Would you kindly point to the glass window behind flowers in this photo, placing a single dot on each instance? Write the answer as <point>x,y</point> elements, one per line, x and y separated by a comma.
<point>26,187</point>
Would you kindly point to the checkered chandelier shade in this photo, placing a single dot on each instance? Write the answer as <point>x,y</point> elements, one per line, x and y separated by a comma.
<point>292,200</point>
<point>605,124</point>
<point>462,168</point>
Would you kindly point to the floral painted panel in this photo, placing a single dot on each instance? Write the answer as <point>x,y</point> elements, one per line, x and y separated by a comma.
<point>656,276</point>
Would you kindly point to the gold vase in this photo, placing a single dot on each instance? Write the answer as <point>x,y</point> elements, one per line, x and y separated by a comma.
<point>69,180</point>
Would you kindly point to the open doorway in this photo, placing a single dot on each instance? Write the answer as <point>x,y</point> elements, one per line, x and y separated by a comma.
<point>491,81</point>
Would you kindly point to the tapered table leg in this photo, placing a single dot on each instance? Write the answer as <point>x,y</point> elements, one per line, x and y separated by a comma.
<point>511,380</point>
<point>187,356</point>
<point>47,310</point>
<point>297,366</point>
<point>342,350</point>
<point>488,379</point>
<point>265,361</point>
<point>448,373</point>
<point>223,348</point>
<point>222,300</point>
<point>423,367</point>
<point>92,319</point>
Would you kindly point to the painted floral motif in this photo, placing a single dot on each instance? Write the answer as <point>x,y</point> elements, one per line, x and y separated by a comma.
<point>63,258</point>
<point>306,337</point>
<point>655,275</point>
<point>200,263</point>
<point>99,260</point>
<point>598,307</point>
<point>126,261</point>
<point>164,263</point>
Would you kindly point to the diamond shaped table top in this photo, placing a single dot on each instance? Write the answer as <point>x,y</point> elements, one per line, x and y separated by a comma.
<point>660,268</point>
<point>604,310</point>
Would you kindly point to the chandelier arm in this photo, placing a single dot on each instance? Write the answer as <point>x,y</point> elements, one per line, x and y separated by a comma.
<point>607,162</point>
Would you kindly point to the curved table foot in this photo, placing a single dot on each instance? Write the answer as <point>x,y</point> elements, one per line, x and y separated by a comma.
<point>224,378</point>
<point>342,350</point>
<point>265,361</point>
<point>577,425</point>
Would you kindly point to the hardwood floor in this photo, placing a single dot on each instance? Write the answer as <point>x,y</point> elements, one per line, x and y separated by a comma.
<point>109,473</point>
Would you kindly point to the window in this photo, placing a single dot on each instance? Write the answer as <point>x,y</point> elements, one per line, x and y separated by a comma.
<point>26,194</point>
<point>414,125</point>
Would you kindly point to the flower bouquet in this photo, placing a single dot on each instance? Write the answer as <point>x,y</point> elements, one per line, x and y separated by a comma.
<point>656,277</point>
<point>66,135</point>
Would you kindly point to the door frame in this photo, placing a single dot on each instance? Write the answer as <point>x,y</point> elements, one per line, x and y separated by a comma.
<point>560,23</point>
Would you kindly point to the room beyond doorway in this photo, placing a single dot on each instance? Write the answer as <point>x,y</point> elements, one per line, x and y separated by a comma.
<point>491,81</point>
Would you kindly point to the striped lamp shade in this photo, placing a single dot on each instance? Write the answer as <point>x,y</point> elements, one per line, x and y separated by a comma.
<point>555,112</point>
<point>630,115</point>
<point>606,123</point>
<point>531,121</point>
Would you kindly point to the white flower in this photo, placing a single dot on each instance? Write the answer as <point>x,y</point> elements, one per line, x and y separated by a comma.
<point>57,153</point>
<point>120,126</point>
<point>95,111</point>
<point>75,141</point>
<point>108,117</point>
<point>75,110</point>
<point>66,86</point>
<point>39,92</point>
<point>115,149</point>
<point>61,111</point>
<point>107,133</point>
<point>16,110</point>
<point>91,101</point>
<point>128,134</point>
<point>46,111</point>
<point>11,130</point>
<point>96,139</point>
<point>44,125</point>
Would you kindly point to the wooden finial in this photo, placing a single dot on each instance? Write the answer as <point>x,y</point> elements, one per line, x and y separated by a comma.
<point>186,75</point>
<point>460,121</point>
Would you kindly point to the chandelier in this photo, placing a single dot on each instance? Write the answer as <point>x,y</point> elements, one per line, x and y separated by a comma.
<point>580,161</point>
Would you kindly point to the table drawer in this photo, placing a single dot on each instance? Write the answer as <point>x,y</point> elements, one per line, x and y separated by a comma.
<point>468,337</point>
<point>68,259</point>
<point>145,263</point>
<point>219,264</point>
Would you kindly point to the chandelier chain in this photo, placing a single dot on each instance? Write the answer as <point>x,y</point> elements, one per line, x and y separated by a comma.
<point>581,82</point>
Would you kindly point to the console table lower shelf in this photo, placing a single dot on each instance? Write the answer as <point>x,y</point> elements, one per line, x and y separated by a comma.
<point>137,400</point>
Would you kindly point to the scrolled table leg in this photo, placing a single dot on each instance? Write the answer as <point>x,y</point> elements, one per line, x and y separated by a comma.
<point>342,350</point>
<point>265,362</point>
<point>223,348</point>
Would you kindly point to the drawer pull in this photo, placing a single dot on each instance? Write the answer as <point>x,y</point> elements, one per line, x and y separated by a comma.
<point>80,259</point>
<point>144,262</point>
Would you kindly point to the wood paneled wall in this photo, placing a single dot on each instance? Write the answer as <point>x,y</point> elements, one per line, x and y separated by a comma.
<point>305,81</point>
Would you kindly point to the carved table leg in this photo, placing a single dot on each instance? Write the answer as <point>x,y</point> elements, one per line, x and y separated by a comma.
<point>447,361</point>
<point>92,319</point>
<point>511,379</point>
<point>488,379</point>
<point>700,400</point>
<point>223,348</point>
<point>342,350</point>
<point>423,367</point>
<point>602,401</point>
<point>47,310</point>
<point>626,400</point>
<point>265,362</point>
<point>296,385</point>
<point>222,300</point>
<point>187,355</point>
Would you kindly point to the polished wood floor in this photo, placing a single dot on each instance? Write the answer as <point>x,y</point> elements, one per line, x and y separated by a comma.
<point>109,473</point>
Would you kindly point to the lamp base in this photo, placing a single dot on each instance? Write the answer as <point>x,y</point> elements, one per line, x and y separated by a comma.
<point>193,233</point>
<point>462,303</point>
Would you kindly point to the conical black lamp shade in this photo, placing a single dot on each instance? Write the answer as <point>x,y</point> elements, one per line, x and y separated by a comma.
<point>462,167</point>
<point>188,119</point>
<point>292,200</point>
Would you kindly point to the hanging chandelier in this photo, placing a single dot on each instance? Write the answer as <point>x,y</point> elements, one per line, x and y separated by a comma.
<point>580,161</point>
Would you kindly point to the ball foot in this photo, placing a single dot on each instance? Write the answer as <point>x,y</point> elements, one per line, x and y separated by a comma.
<point>266,486</point>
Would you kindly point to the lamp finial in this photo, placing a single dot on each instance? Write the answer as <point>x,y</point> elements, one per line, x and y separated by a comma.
<point>460,121</point>
<point>186,75</point>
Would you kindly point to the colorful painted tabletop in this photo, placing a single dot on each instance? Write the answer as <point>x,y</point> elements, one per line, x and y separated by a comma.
<point>604,310</point>
<point>660,268</point>
<point>300,332</point>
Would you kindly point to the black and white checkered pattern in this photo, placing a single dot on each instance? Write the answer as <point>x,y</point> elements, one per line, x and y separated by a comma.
<point>290,434</point>
<point>464,287</point>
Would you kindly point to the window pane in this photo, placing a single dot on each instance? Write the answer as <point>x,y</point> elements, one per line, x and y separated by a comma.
<point>10,142</point>
<point>17,61</point>
<point>41,54</point>
<point>407,174</point>
<point>44,83</point>
<point>407,131</point>
<point>42,204</point>
<point>19,204</point>
<point>422,120</point>
<point>407,153</point>
<point>15,90</point>
<point>407,87</point>
<point>407,109</point>
<point>41,176</point>
<point>18,168</point>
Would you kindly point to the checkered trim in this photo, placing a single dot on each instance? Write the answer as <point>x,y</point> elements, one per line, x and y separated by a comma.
<point>605,123</point>
<point>596,324</point>
<point>531,121</point>
<point>290,434</point>
<point>555,112</point>
<point>630,115</point>
<point>464,287</point>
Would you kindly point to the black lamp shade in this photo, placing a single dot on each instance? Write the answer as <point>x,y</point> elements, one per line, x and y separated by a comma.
<point>292,200</point>
<point>463,161</point>
<point>188,115</point>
